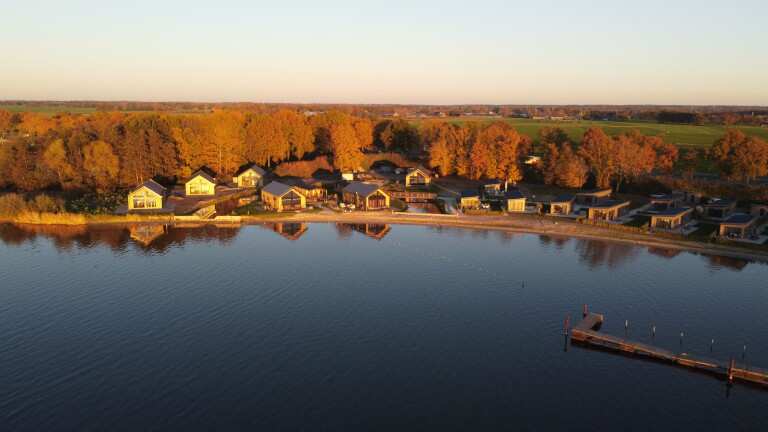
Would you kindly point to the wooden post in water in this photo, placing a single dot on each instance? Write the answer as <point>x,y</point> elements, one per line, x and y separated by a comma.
<point>585,311</point>
<point>567,325</point>
<point>730,370</point>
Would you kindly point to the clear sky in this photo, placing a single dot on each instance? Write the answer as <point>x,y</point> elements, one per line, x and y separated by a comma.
<point>439,52</point>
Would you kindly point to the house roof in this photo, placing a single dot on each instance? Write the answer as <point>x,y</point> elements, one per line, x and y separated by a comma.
<point>257,169</point>
<point>720,203</point>
<point>672,212</point>
<point>204,174</point>
<point>277,188</point>
<point>739,219</point>
<point>663,197</point>
<point>514,194</point>
<point>151,185</point>
<point>423,170</point>
<point>609,204</point>
<point>469,193</point>
<point>562,198</point>
<point>361,188</point>
<point>606,191</point>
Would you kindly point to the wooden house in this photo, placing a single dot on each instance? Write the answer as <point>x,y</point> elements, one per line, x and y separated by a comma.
<point>662,202</point>
<point>418,177</point>
<point>249,176</point>
<point>607,210</point>
<point>515,201</point>
<point>493,189</point>
<point>282,197</point>
<point>593,197</point>
<point>311,188</point>
<point>201,183</point>
<point>469,200</point>
<point>149,195</point>
<point>739,226</point>
<point>671,218</point>
<point>365,196</point>
<point>560,205</point>
<point>719,209</point>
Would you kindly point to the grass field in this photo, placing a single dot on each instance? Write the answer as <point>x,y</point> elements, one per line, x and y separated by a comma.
<point>681,135</point>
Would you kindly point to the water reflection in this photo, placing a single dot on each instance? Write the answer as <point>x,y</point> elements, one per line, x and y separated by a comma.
<point>158,238</point>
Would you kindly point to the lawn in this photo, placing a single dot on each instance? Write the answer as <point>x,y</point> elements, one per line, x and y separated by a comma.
<point>51,109</point>
<point>681,135</point>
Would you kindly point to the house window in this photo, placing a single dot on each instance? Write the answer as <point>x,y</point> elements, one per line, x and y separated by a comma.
<point>291,201</point>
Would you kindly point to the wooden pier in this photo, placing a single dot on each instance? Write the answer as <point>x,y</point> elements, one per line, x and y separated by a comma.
<point>587,333</point>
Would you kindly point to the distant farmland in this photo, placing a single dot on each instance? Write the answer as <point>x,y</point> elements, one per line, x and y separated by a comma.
<point>681,135</point>
<point>47,109</point>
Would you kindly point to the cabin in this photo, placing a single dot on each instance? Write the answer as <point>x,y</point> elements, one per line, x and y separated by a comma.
<point>560,205</point>
<point>201,183</point>
<point>739,226</point>
<point>249,176</point>
<point>147,196</point>
<point>671,218</point>
<point>311,188</point>
<point>418,177</point>
<point>607,210</point>
<point>719,209</point>
<point>469,200</point>
<point>493,188</point>
<point>374,231</point>
<point>593,197</point>
<point>515,201</point>
<point>365,196</point>
<point>282,197</point>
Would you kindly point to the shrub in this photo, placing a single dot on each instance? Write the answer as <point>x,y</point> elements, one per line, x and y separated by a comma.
<point>305,168</point>
<point>46,204</point>
<point>12,204</point>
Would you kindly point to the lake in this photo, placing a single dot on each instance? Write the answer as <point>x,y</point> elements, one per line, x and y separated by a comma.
<point>362,327</point>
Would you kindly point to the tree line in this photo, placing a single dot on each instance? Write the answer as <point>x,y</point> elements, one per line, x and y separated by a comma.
<point>107,151</point>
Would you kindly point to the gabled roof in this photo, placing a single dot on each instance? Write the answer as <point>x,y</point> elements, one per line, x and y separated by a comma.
<point>361,188</point>
<point>606,191</point>
<point>202,173</point>
<point>423,170</point>
<point>257,169</point>
<point>278,189</point>
<point>151,185</point>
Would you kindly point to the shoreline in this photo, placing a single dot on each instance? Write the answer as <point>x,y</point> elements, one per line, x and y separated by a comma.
<point>508,223</point>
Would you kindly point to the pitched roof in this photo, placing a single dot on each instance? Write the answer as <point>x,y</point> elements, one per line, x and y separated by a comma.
<point>606,191</point>
<point>202,173</point>
<point>361,188</point>
<point>277,188</point>
<point>608,204</point>
<point>151,185</point>
<point>419,168</point>
<point>257,169</point>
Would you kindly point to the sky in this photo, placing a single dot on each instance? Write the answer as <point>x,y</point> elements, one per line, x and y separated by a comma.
<point>404,52</point>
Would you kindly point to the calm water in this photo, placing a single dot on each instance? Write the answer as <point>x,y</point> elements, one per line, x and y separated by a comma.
<point>326,327</point>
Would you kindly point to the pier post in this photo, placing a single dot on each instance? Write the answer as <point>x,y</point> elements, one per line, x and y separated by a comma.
<point>585,311</point>
<point>730,371</point>
<point>567,325</point>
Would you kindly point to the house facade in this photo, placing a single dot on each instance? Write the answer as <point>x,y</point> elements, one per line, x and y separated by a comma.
<point>282,197</point>
<point>671,218</point>
<point>607,210</point>
<point>469,200</point>
<point>200,183</point>
<point>149,195</point>
<point>365,196</point>
<point>739,226</point>
<point>418,177</point>
<point>249,176</point>
<point>515,201</point>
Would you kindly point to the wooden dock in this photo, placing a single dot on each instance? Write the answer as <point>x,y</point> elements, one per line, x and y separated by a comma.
<point>586,332</point>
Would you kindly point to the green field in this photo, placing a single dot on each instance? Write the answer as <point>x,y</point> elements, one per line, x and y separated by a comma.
<point>681,135</point>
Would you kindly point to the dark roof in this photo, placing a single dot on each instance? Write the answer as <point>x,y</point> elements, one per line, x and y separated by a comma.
<point>277,188</point>
<point>514,194</point>
<point>608,204</point>
<point>595,191</point>
<point>468,193</point>
<point>361,188</point>
<point>740,219</point>
<point>562,198</point>
<point>670,212</point>
<point>204,173</point>
<point>259,170</point>
<point>151,185</point>
<point>720,203</point>
<point>663,197</point>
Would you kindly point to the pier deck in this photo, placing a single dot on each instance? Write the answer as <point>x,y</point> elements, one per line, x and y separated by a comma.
<point>586,332</point>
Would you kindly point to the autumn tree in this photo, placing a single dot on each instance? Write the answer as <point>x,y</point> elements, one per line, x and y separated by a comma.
<point>55,158</point>
<point>598,151</point>
<point>297,132</point>
<point>570,169</point>
<point>346,148</point>
<point>101,164</point>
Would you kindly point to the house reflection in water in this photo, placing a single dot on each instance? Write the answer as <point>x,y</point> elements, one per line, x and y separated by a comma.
<point>291,231</point>
<point>145,234</point>
<point>374,231</point>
